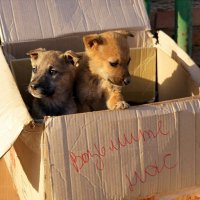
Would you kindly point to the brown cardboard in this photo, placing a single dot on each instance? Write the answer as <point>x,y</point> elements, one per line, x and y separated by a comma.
<point>91,134</point>
<point>176,53</point>
<point>26,163</point>
<point>21,69</point>
<point>173,80</point>
<point>7,189</point>
<point>142,68</point>
<point>76,157</point>
<point>82,162</point>
<point>19,50</point>
<point>73,42</point>
<point>163,154</point>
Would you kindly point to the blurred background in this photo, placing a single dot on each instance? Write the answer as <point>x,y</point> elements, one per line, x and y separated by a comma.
<point>178,18</point>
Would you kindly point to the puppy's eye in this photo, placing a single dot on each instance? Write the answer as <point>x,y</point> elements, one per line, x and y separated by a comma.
<point>114,64</point>
<point>52,71</point>
<point>34,69</point>
<point>129,61</point>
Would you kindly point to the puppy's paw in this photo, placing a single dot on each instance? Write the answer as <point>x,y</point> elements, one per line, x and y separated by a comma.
<point>120,105</point>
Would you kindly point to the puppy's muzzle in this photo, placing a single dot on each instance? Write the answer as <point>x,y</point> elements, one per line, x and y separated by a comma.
<point>34,86</point>
<point>127,80</point>
<point>35,90</point>
<point>41,89</point>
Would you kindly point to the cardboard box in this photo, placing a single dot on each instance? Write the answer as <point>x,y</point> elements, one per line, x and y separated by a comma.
<point>7,189</point>
<point>147,150</point>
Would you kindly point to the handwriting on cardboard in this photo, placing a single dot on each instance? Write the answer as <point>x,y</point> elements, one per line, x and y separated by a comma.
<point>150,170</point>
<point>98,153</point>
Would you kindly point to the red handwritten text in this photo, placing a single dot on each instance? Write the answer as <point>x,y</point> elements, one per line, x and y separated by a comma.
<point>150,170</point>
<point>79,161</point>
<point>142,135</point>
<point>98,153</point>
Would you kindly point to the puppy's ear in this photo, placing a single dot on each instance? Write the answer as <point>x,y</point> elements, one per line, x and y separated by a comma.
<point>34,53</point>
<point>72,57</point>
<point>126,33</point>
<point>92,41</point>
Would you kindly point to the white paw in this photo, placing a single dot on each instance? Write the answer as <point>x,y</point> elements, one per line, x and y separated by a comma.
<point>121,105</point>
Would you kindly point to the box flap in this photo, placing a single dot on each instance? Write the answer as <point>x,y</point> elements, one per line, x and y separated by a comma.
<point>168,45</point>
<point>25,162</point>
<point>13,112</point>
<point>173,81</point>
<point>33,20</point>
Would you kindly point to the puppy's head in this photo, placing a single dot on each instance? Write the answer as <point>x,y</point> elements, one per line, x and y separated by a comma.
<point>109,55</point>
<point>52,71</point>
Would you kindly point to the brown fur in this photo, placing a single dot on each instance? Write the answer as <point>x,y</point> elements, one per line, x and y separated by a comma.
<point>52,82</point>
<point>98,83</point>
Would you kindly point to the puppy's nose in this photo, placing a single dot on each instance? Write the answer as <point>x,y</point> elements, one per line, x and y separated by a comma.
<point>127,80</point>
<point>34,86</point>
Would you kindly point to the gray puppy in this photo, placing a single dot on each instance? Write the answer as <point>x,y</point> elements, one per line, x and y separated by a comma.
<point>51,84</point>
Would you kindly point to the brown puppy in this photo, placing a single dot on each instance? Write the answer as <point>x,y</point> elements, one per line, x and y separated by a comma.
<point>51,83</point>
<point>103,71</point>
